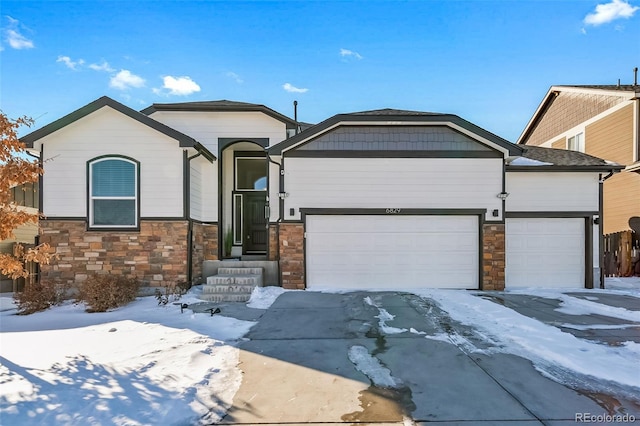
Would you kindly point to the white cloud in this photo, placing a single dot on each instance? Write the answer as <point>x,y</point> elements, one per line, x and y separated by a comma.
<point>180,86</point>
<point>104,66</point>
<point>69,63</point>
<point>346,53</point>
<point>292,89</point>
<point>235,77</point>
<point>14,37</point>
<point>125,80</point>
<point>608,12</point>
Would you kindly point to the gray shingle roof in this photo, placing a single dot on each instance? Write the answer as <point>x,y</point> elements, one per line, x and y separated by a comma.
<point>220,105</point>
<point>391,111</point>
<point>565,158</point>
<point>608,87</point>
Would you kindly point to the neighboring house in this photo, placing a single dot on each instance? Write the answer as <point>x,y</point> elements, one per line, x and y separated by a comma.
<point>378,199</point>
<point>603,121</point>
<point>26,196</point>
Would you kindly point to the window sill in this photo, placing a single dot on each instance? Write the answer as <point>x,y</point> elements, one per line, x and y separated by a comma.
<point>114,228</point>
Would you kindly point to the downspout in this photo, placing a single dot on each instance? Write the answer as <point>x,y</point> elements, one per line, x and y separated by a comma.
<point>280,213</point>
<point>36,239</point>
<point>601,180</point>
<point>41,182</point>
<point>40,163</point>
<point>187,212</point>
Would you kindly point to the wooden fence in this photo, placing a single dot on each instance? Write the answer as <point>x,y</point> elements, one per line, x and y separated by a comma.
<point>622,254</point>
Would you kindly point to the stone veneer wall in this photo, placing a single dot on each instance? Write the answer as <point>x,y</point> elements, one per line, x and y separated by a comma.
<point>156,254</point>
<point>493,257</point>
<point>273,242</point>
<point>205,247</point>
<point>292,255</point>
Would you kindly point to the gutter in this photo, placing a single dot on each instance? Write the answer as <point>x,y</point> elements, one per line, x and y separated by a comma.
<point>280,212</point>
<point>187,212</point>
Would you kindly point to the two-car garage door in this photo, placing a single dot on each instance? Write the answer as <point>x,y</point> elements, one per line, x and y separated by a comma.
<point>392,251</point>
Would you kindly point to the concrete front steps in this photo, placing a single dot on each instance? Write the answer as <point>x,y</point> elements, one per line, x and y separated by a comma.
<point>232,284</point>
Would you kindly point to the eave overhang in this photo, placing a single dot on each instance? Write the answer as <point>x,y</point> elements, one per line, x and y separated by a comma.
<point>216,107</point>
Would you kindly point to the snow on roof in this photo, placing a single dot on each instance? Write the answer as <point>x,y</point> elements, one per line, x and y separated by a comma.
<point>523,161</point>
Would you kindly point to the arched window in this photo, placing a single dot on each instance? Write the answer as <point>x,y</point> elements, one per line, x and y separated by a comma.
<point>113,192</point>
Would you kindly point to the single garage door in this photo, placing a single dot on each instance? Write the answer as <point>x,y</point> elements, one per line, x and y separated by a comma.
<point>378,252</point>
<point>545,252</point>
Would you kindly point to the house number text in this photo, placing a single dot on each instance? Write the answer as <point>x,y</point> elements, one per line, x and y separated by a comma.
<point>392,211</point>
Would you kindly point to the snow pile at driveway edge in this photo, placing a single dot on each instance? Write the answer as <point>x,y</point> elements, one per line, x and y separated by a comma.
<point>555,353</point>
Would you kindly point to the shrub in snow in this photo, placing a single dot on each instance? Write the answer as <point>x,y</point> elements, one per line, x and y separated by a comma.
<point>103,292</point>
<point>38,297</point>
<point>172,292</point>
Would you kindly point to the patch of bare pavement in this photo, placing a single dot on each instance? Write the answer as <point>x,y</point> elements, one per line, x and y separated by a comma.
<point>363,358</point>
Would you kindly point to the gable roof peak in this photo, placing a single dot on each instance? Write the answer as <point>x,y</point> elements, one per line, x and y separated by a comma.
<point>105,101</point>
<point>391,117</point>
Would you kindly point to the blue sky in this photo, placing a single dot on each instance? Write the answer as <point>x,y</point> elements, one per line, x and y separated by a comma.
<point>491,62</point>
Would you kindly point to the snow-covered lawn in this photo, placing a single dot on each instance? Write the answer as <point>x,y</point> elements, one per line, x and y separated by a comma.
<point>139,364</point>
<point>148,364</point>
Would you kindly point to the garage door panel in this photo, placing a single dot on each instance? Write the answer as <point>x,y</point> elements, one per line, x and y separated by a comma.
<point>392,251</point>
<point>545,252</point>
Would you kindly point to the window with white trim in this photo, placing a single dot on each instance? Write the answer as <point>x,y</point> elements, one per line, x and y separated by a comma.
<point>576,143</point>
<point>113,193</point>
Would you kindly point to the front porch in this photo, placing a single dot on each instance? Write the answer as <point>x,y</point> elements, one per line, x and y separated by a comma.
<point>234,280</point>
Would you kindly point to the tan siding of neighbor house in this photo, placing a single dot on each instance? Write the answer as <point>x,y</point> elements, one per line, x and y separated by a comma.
<point>611,138</point>
<point>25,234</point>
<point>568,110</point>
<point>621,201</point>
<point>560,143</point>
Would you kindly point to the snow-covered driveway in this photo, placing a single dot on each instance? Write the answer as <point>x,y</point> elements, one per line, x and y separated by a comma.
<point>527,356</point>
<point>436,356</point>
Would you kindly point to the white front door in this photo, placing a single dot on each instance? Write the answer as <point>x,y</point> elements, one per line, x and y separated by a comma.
<point>392,252</point>
<point>545,252</point>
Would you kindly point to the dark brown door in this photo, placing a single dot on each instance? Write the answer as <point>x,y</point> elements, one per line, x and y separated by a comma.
<point>254,222</point>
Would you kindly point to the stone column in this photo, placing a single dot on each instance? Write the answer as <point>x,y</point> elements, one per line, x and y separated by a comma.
<point>292,255</point>
<point>493,256</point>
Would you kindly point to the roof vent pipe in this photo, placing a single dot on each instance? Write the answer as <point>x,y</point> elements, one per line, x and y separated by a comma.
<point>295,115</point>
<point>635,76</point>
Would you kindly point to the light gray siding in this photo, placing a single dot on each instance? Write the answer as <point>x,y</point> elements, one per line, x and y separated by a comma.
<point>108,132</point>
<point>208,127</point>
<point>541,191</point>
<point>442,183</point>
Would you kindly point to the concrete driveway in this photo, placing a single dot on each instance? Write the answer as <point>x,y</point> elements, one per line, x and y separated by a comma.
<point>325,358</point>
